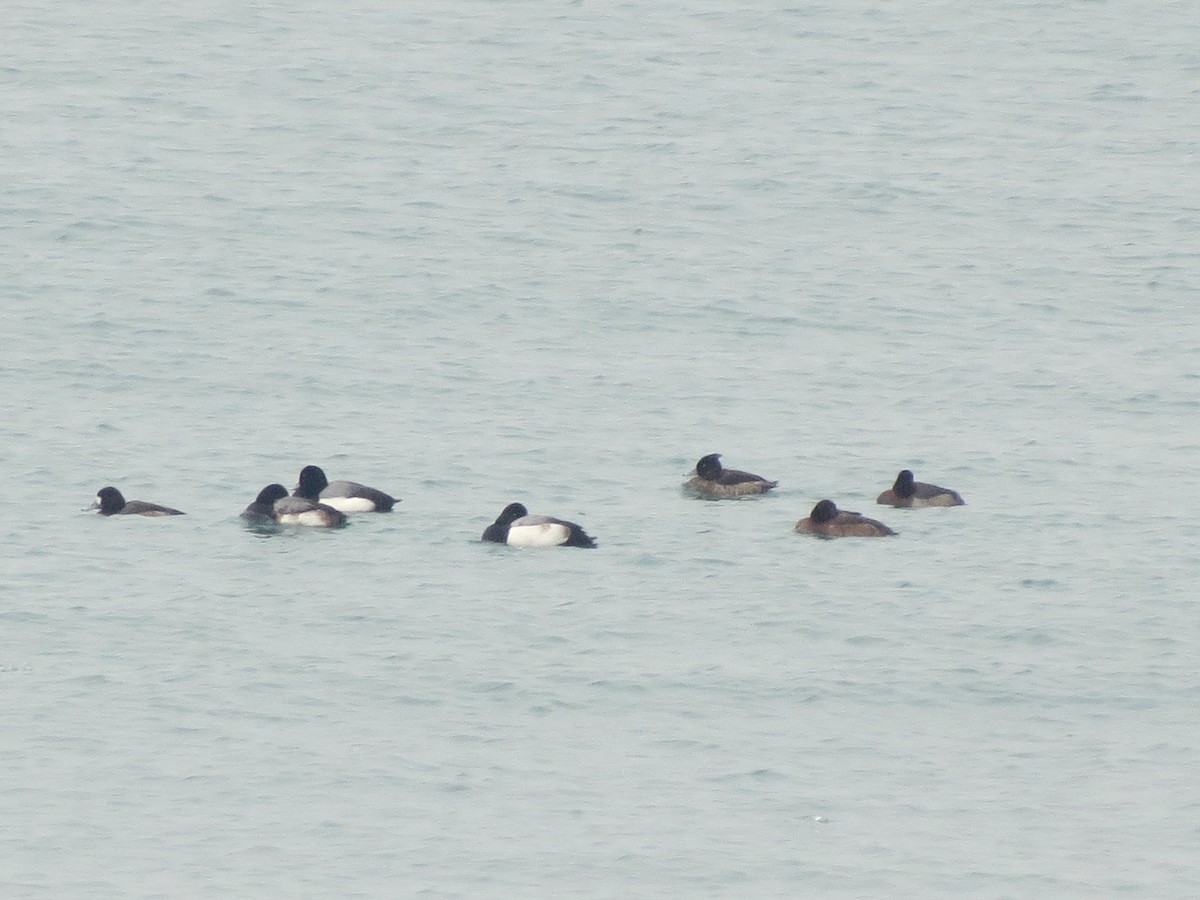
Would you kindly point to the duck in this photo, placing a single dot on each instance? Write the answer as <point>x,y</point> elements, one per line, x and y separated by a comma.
<point>110,502</point>
<point>262,510</point>
<point>714,482</point>
<point>297,510</point>
<point>517,528</point>
<point>345,496</point>
<point>829,521</point>
<point>908,493</point>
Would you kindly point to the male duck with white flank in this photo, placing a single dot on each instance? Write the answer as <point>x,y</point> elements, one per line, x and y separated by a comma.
<point>345,496</point>
<point>517,528</point>
<point>297,510</point>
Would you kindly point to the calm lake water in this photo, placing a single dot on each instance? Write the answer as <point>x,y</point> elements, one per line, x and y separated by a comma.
<point>479,252</point>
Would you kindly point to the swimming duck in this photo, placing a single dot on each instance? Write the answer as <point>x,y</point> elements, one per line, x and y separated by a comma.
<point>827,520</point>
<point>714,482</point>
<point>297,510</point>
<point>517,528</point>
<point>110,503</point>
<point>906,492</point>
<point>346,496</point>
<point>263,507</point>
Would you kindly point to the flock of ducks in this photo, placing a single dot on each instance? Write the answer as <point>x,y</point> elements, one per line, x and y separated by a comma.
<point>321,503</point>
<point>714,482</point>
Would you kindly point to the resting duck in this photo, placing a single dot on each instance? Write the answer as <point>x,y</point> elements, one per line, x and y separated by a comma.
<point>827,520</point>
<point>345,496</point>
<point>296,510</point>
<point>906,492</point>
<point>517,528</point>
<point>714,482</point>
<point>262,510</point>
<point>110,503</point>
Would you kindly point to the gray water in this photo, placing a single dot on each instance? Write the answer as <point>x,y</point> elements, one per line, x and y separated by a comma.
<point>478,252</point>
